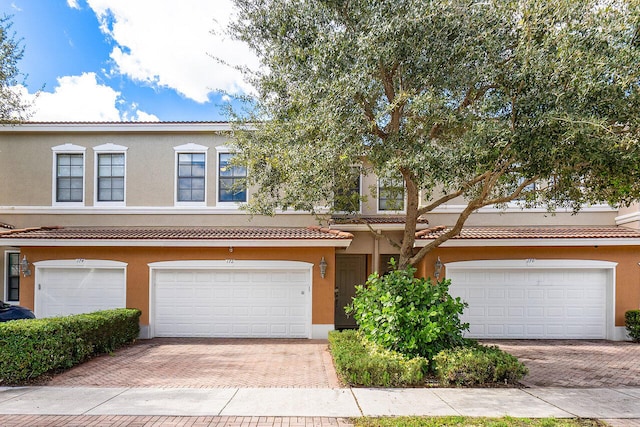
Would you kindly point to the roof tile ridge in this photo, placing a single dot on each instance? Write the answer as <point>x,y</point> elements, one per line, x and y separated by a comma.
<point>327,230</point>
<point>430,230</point>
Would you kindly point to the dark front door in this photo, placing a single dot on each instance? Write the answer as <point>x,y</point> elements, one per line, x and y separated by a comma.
<point>351,270</point>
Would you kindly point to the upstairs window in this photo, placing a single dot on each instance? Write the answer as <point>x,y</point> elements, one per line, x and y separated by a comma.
<point>191,177</point>
<point>232,180</point>
<point>110,166</point>
<point>69,177</point>
<point>391,194</point>
<point>110,177</point>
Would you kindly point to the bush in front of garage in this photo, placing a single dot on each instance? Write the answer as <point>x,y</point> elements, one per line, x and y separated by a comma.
<point>477,365</point>
<point>34,347</point>
<point>632,322</point>
<point>362,363</point>
<point>409,314</point>
<point>406,317</point>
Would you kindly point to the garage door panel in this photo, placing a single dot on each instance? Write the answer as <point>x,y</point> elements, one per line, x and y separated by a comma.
<point>535,312</point>
<point>542,303</point>
<point>235,303</point>
<point>65,291</point>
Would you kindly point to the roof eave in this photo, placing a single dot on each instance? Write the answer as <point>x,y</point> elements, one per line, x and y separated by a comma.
<point>458,243</point>
<point>176,243</point>
<point>117,127</point>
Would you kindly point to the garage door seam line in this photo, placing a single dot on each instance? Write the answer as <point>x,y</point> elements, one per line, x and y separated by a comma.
<point>228,402</point>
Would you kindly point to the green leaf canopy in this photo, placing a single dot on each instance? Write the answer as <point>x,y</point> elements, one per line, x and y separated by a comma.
<point>490,100</point>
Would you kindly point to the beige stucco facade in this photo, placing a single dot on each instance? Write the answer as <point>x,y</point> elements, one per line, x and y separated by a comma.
<point>27,171</point>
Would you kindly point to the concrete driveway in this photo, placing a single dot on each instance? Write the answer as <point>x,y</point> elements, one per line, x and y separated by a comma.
<point>209,363</point>
<point>576,363</point>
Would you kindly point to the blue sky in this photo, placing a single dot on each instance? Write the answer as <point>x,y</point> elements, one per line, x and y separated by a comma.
<point>122,60</point>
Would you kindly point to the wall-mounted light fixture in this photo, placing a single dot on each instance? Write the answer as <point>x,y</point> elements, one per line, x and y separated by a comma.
<point>24,266</point>
<point>437,269</point>
<point>323,267</point>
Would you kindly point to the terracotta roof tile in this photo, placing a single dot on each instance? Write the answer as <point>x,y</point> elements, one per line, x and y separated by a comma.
<point>534,233</point>
<point>174,233</point>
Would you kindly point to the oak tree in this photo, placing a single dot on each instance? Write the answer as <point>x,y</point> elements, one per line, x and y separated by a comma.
<point>487,101</point>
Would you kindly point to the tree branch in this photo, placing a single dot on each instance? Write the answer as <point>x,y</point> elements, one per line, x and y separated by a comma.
<point>370,116</point>
<point>423,210</point>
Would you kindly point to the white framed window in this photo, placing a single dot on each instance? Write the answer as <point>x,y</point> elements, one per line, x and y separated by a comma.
<point>391,195</point>
<point>232,180</point>
<point>11,277</point>
<point>68,175</point>
<point>191,174</point>
<point>110,175</point>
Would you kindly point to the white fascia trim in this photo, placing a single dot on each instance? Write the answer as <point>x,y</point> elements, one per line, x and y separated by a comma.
<point>80,263</point>
<point>231,264</point>
<point>515,208</point>
<point>530,263</point>
<point>118,127</point>
<point>530,242</point>
<point>626,219</point>
<point>257,243</point>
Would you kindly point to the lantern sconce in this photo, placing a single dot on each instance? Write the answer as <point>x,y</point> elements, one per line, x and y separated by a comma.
<point>323,267</point>
<point>24,266</point>
<point>437,269</point>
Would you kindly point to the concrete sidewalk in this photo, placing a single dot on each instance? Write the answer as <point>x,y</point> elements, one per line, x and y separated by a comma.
<point>605,403</point>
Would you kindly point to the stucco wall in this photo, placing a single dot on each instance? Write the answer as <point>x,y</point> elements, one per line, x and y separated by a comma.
<point>138,270</point>
<point>627,296</point>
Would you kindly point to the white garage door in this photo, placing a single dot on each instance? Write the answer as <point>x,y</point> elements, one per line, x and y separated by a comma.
<point>65,291</point>
<point>270,303</point>
<point>551,303</point>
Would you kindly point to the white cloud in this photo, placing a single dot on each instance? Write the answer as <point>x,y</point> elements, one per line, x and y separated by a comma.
<point>73,4</point>
<point>80,98</point>
<point>141,116</point>
<point>167,43</point>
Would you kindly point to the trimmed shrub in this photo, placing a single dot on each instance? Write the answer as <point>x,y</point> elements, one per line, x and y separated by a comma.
<point>409,315</point>
<point>361,363</point>
<point>34,347</point>
<point>477,365</point>
<point>632,322</point>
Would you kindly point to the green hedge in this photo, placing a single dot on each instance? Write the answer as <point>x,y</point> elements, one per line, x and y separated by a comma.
<point>632,322</point>
<point>362,363</point>
<point>477,365</point>
<point>34,347</point>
